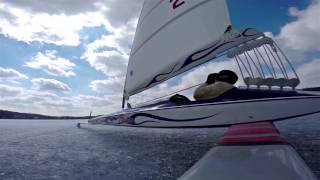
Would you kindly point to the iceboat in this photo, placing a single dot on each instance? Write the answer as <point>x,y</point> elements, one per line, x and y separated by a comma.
<point>175,36</point>
<point>172,38</point>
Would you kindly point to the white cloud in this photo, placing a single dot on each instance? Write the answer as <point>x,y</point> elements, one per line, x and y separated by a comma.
<point>42,102</point>
<point>58,29</point>
<point>292,54</point>
<point>111,63</point>
<point>9,91</point>
<point>50,85</point>
<point>118,11</point>
<point>52,64</point>
<point>59,22</point>
<point>11,74</point>
<point>110,53</point>
<point>309,74</point>
<point>69,7</point>
<point>111,85</point>
<point>303,33</point>
<point>121,12</point>
<point>300,37</point>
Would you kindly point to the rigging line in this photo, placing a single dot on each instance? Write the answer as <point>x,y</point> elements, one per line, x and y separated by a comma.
<point>264,61</point>
<point>236,58</point>
<point>280,60</point>
<point>286,58</point>
<point>255,65</point>
<point>276,61</point>
<point>161,97</point>
<point>249,64</point>
<point>274,75</point>
<point>255,53</point>
<point>244,65</point>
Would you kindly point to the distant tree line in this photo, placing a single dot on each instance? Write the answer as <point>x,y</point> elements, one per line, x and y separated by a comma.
<point>16,115</point>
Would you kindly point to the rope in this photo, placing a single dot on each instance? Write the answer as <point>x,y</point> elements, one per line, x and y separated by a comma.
<point>276,61</point>
<point>254,64</point>
<point>255,53</point>
<point>285,57</point>
<point>284,68</point>
<point>236,58</point>
<point>244,65</point>
<point>273,72</point>
<point>249,65</point>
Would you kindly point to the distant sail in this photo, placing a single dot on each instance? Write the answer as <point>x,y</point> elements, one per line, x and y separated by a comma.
<point>168,32</point>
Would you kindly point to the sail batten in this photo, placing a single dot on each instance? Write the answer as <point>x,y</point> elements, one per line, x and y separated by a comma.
<point>167,35</point>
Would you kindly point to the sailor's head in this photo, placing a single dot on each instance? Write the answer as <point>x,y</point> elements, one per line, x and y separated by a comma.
<point>227,76</point>
<point>224,76</point>
<point>212,78</point>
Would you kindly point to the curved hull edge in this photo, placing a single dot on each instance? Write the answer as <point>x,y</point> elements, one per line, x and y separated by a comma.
<point>217,114</point>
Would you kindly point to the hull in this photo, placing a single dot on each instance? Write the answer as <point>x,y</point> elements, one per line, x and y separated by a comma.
<point>217,113</point>
<point>263,162</point>
<point>251,151</point>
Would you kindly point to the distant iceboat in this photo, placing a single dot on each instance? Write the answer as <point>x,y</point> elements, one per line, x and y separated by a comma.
<point>174,36</point>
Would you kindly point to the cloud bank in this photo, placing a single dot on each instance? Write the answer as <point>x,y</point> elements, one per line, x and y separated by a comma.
<point>50,85</point>
<point>60,22</point>
<point>52,64</point>
<point>11,74</point>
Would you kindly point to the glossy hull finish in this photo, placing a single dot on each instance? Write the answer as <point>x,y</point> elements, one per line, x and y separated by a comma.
<point>263,162</point>
<point>251,151</point>
<point>216,114</point>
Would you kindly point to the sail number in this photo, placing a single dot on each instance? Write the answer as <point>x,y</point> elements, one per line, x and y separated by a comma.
<point>176,3</point>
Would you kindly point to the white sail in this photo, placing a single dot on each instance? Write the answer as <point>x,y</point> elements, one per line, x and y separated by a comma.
<point>168,33</point>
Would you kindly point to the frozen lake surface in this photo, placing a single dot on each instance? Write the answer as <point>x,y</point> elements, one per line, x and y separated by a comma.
<point>56,149</point>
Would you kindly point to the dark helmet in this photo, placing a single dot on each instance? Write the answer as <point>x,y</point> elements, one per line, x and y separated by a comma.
<point>212,78</point>
<point>228,76</point>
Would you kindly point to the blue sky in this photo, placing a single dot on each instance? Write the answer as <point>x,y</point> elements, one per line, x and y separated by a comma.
<point>68,58</point>
<point>263,15</point>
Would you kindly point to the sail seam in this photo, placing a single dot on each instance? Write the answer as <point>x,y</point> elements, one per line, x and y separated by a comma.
<point>166,24</point>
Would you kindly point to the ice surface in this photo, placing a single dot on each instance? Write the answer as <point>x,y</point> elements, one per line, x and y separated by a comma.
<point>35,149</point>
